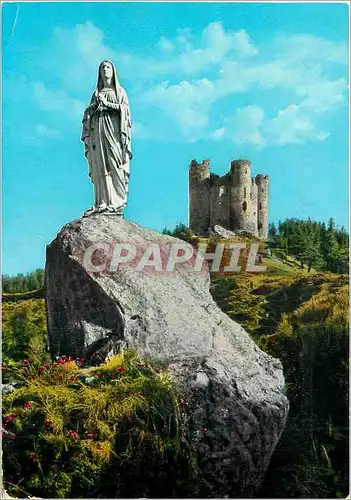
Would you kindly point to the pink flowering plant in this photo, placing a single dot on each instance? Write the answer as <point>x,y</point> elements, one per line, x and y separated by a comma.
<point>70,430</point>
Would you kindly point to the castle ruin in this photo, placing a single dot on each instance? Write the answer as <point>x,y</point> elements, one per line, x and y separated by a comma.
<point>235,201</point>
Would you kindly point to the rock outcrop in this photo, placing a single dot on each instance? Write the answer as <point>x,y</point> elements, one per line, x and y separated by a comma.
<point>217,230</point>
<point>230,386</point>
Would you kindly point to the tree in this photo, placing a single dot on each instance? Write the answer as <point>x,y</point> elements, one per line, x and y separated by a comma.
<point>21,283</point>
<point>313,244</point>
<point>181,231</point>
<point>331,247</point>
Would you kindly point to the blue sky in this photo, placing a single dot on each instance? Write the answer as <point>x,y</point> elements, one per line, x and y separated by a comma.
<point>266,82</point>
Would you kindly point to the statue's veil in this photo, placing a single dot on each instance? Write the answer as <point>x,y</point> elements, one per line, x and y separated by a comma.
<point>122,99</point>
<point>100,83</point>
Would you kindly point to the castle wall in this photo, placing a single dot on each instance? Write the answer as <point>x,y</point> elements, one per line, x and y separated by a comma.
<point>220,200</point>
<point>254,208</point>
<point>262,205</point>
<point>234,201</point>
<point>240,200</point>
<point>199,197</point>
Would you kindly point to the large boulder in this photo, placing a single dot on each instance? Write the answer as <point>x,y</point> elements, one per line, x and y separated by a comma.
<point>231,388</point>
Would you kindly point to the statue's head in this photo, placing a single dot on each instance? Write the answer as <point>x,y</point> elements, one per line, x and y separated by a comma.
<point>107,73</point>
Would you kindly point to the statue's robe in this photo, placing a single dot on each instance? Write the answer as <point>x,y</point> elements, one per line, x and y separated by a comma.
<point>107,139</point>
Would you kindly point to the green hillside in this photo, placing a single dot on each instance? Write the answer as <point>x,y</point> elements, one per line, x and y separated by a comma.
<point>300,317</point>
<point>23,330</point>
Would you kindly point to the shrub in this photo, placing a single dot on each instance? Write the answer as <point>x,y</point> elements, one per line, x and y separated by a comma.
<point>24,334</point>
<point>311,459</point>
<point>182,232</point>
<point>109,431</point>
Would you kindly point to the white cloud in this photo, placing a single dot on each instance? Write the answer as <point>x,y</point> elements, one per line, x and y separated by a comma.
<point>41,133</point>
<point>216,45</point>
<point>186,54</point>
<point>303,72</point>
<point>243,44</point>
<point>186,103</point>
<point>82,48</point>
<point>218,134</point>
<point>184,39</point>
<point>322,136</point>
<point>310,48</point>
<point>292,125</point>
<point>249,125</point>
<point>246,124</point>
<point>142,131</point>
<point>44,131</point>
<point>57,100</point>
<point>324,95</point>
<point>199,70</point>
<point>165,45</point>
<point>243,127</point>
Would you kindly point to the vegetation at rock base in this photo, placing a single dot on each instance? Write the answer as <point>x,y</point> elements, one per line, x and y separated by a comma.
<point>56,444</point>
<point>23,332</point>
<point>133,441</point>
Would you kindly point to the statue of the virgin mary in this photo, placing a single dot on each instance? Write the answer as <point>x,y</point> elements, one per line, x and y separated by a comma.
<point>107,142</point>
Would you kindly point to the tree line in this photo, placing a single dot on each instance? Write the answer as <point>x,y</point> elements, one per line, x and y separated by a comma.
<point>22,283</point>
<point>314,244</point>
<point>324,247</point>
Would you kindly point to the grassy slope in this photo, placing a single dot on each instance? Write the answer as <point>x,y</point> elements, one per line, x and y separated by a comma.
<point>275,307</point>
<point>251,298</point>
<point>16,297</point>
<point>302,319</point>
<point>23,329</point>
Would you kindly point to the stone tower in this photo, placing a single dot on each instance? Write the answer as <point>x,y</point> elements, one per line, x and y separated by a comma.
<point>262,205</point>
<point>235,201</point>
<point>219,200</point>
<point>199,196</point>
<point>254,205</point>
<point>240,196</point>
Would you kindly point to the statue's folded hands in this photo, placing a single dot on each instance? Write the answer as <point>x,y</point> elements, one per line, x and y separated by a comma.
<point>113,105</point>
<point>109,104</point>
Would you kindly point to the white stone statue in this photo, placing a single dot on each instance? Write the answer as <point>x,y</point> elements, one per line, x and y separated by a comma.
<point>107,142</point>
